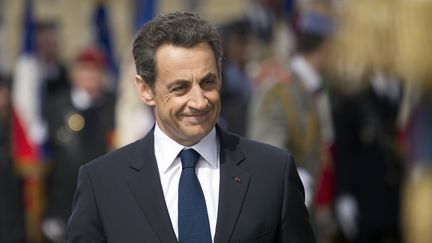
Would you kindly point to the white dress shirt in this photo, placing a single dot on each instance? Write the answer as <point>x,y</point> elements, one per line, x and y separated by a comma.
<point>207,170</point>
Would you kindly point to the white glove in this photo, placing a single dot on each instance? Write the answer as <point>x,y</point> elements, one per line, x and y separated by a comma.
<point>54,229</point>
<point>308,183</point>
<point>347,213</point>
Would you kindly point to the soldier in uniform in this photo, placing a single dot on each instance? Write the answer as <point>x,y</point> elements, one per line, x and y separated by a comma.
<point>368,165</point>
<point>81,123</point>
<point>293,113</point>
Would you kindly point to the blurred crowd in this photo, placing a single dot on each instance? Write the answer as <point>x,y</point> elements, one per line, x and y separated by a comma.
<point>362,143</point>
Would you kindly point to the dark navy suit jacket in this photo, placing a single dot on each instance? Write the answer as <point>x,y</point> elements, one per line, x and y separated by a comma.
<point>261,199</point>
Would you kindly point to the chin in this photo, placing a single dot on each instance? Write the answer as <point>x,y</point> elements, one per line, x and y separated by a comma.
<point>198,133</point>
<point>195,133</point>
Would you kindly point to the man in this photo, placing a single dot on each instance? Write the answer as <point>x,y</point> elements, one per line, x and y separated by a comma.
<point>242,191</point>
<point>80,124</point>
<point>297,113</point>
<point>294,113</point>
<point>369,168</point>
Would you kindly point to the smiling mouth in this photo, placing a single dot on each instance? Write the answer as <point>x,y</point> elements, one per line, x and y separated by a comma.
<point>197,117</point>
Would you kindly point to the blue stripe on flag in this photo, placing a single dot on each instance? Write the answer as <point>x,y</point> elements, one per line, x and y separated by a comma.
<point>145,10</point>
<point>28,27</point>
<point>103,36</point>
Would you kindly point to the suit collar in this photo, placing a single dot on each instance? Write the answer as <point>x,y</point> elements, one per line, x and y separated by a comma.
<point>234,183</point>
<point>147,190</point>
<point>229,145</point>
<point>142,151</point>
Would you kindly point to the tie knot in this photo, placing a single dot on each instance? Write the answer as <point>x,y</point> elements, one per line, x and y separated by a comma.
<point>189,158</point>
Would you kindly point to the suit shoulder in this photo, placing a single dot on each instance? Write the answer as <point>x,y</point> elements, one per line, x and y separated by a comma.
<point>260,147</point>
<point>113,159</point>
<point>256,149</point>
<point>264,161</point>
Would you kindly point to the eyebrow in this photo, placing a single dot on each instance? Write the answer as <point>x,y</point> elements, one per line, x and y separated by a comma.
<point>183,81</point>
<point>177,82</point>
<point>209,76</point>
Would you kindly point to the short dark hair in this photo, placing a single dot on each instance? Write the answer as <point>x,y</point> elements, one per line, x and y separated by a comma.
<point>179,29</point>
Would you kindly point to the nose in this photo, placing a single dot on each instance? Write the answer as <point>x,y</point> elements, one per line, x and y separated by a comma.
<point>197,99</point>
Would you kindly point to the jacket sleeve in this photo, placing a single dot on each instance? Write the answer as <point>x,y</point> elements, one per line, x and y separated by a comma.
<point>295,226</point>
<point>84,224</point>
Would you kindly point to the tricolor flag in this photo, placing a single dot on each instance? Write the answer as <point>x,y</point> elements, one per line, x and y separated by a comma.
<point>29,131</point>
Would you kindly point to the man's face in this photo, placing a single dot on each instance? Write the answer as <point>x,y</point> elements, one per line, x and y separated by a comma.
<point>47,43</point>
<point>88,77</point>
<point>185,95</point>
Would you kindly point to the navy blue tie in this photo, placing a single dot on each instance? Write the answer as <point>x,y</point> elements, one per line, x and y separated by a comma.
<point>193,222</point>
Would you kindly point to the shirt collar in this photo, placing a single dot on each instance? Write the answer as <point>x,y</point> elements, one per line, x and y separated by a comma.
<point>307,74</point>
<point>169,149</point>
<point>80,99</point>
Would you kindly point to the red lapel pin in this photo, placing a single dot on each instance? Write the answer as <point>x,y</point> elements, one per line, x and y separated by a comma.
<point>237,179</point>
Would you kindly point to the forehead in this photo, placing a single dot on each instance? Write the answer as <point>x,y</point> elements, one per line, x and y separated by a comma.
<point>176,62</point>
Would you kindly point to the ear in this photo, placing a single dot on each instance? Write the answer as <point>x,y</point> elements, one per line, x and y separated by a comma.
<point>219,79</point>
<point>145,92</point>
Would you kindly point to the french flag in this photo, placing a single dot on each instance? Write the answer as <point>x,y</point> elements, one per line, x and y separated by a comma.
<point>28,129</point>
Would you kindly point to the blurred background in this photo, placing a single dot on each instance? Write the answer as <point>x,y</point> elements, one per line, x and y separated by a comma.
<point>345,85</point>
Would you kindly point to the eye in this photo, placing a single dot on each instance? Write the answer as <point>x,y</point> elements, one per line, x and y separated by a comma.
<point>208,83</point>
<point>180,88</point>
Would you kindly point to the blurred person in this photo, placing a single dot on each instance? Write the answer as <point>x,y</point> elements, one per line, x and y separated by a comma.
<point>368,164</point>
<point>288,115</point>
<point>187,180</point>
<point>81,123</point>
<point>237,86</point>
<point>293,112</point>
<point>12,229</point>
<point>39,75</point>
<point>393,38</point>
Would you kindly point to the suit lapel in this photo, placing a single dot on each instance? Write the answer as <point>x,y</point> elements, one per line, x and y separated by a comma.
<point>147,190</point>
<point>234,183</point>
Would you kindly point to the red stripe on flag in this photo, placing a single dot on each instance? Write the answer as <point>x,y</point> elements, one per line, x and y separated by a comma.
<point>23,150</point>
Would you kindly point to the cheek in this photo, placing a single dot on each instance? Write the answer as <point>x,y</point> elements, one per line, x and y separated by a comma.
<point>213,97</point>
<point>171,106</point>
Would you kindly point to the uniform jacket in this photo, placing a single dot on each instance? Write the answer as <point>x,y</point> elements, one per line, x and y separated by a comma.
<point>285,116</point>
<point>72,144</point>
